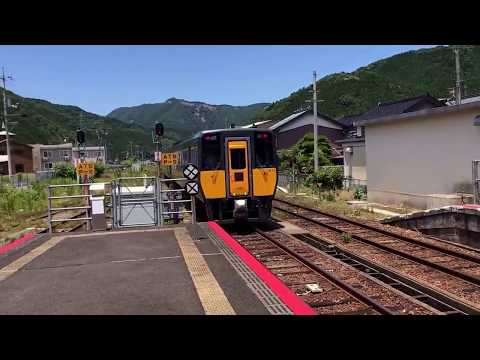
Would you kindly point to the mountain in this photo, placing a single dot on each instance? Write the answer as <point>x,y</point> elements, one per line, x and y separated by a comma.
<point>404,75</point>
<point>183,118</point>
<point>47,123</point>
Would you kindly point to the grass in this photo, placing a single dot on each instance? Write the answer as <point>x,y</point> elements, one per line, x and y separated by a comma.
<point>334,202</point>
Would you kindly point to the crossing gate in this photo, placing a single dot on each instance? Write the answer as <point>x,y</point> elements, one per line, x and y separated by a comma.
<point>149,201</point>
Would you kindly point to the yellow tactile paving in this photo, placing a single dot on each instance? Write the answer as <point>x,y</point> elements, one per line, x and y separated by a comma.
<point>211,295</point>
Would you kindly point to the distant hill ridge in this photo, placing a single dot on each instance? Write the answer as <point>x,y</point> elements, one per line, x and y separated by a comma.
<point>430,70</point>
<point>184,117</point>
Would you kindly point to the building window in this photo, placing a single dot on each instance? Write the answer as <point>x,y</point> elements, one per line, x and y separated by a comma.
<point>19,168</point>
<point>48,166</point>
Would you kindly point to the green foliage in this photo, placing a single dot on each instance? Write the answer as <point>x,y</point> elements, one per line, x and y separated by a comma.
<point>64,170</point>
<point>360,193</point>
<point>184,118</point>
<point>346,237</point>
<point>47,123</point>
<point>99,169</point>
<point>18,200</point>
<point>327,178</point>
<point>300,156</point>
<point>400,76</point>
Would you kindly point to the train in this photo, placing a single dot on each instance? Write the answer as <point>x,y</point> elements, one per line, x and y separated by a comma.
<point>238,173</point>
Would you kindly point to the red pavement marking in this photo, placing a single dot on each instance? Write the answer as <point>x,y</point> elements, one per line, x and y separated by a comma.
<point>15,243</point>
<point>289,298</point>
<point>471,206</point>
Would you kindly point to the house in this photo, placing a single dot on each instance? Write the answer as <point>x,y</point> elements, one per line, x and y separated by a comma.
<point>46,156</point>
<point>353,145</point>
<point>292,128</point>
<point>21,156</point>
<point>90,153</point>
<point>421,158</point>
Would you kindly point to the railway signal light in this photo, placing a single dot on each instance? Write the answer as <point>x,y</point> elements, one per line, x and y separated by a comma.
<point>159,129</point>
<point>81,136</point>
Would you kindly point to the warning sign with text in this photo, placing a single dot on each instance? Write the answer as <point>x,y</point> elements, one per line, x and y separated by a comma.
<point>170,158</point>
<point>85,169</point>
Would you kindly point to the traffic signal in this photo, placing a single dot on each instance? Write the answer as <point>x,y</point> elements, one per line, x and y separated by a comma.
<point>159,129</point>
<point>81,136</point>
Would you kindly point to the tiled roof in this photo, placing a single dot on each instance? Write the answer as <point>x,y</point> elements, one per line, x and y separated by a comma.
<point>390,108</point>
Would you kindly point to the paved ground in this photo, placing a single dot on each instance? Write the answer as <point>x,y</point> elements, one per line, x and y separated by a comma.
<point>140,272</point>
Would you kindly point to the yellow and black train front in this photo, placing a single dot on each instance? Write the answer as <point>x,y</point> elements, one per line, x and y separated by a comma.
<point>238,173</point>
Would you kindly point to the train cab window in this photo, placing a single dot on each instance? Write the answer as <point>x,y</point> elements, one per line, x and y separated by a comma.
<point>237,157</point>
<point>211,153</point>
<point>264,156</point>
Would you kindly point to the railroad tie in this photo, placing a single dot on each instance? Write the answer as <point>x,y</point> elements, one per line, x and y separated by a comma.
<point>211,295</point>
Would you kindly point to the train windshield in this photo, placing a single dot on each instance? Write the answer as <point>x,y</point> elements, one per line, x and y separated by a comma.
<point>238,159</point>
<point>264,156</point>
<point>211,153</point>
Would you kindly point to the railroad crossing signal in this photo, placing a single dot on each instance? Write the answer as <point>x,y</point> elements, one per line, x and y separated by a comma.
<point>191,188</point>
<point>190,171</point>
<point>85,169</point>
<point>170,158</point>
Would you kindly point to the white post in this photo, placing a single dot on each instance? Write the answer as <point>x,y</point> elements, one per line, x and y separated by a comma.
<point>315,123</point>
<point>5,119</point>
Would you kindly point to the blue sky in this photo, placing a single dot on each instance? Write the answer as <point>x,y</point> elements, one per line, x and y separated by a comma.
<point>102,78</point>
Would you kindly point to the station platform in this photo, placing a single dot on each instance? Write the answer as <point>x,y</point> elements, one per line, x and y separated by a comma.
<point>178,270</point>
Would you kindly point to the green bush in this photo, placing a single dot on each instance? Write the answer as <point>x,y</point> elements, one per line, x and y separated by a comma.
<point>327,178</point>
<point>99,169</point>
<point>360,193</point>
<point>64,170</point>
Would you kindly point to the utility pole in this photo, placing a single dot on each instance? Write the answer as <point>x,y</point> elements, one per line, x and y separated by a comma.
<point>5,120</point>
<point>315,123</point>
<point>458,85</point>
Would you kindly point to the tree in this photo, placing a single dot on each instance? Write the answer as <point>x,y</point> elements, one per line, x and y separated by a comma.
<point>300,156</point>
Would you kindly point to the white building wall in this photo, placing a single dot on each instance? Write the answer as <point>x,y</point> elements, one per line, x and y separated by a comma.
<point>357,161</point>
<point>407,160</point>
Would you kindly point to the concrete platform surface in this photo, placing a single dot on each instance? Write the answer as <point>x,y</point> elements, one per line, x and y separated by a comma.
<point>155,271</point>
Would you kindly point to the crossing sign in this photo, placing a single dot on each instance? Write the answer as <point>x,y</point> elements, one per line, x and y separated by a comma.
<point>191,188</point>
<point>190,171</point>
<point>170,158</point>
<point>85,169</point>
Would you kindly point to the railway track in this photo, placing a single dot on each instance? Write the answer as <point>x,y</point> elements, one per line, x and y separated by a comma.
<point>322,281</point>
<point>67,226</point>
<point>441,270</point>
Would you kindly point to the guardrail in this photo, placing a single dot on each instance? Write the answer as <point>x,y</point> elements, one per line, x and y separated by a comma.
<point>162,213</point>
<point>88,207</point>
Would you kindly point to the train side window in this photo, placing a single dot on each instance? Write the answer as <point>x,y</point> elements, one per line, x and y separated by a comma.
<point>237,157</point>
<point>264,156</point>
<point>211,153</point>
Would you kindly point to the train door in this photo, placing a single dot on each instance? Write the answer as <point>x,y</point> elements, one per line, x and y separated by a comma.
<point>238,165</point>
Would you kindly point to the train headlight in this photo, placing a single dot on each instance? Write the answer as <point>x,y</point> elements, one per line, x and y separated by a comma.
<point>240,203</point>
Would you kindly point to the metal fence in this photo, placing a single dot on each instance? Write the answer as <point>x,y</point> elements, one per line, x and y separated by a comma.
<point>148,201</point>
<point>18,180</point>
<point>295,183</point>
<point>69,196</point>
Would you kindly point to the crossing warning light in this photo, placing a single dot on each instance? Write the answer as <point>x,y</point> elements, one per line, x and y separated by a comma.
<point>159,129</point>
<point>81,136</point>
